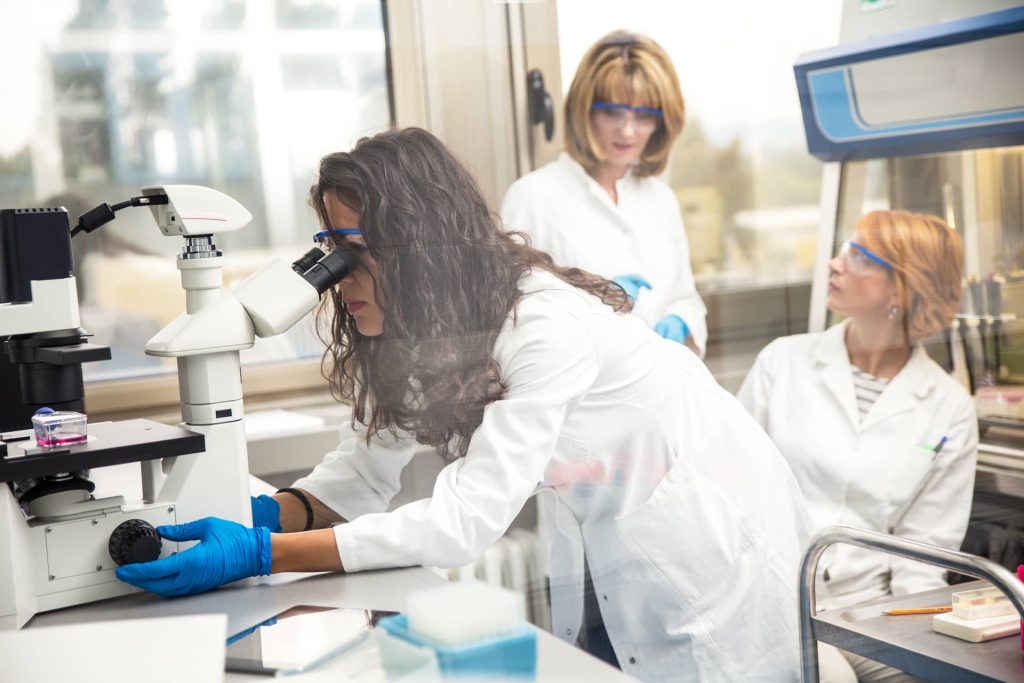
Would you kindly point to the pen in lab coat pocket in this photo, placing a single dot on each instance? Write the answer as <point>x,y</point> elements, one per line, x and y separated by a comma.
<point>938,446</point>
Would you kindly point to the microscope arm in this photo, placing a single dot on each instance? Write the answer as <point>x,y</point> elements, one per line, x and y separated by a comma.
<point>267,303</point>
<point>277,296</point>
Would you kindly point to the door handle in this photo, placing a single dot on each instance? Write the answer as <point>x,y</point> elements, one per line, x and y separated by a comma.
<point>542,109</point>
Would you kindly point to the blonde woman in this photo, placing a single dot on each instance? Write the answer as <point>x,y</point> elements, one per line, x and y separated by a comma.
<point>600,206</point>
<point>877,434</point>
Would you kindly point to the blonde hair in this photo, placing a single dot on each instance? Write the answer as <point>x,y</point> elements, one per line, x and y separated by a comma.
<point>625,68</point>
<point>927,257</point>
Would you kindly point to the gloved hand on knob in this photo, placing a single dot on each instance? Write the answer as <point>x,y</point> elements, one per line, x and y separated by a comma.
<point>226,552</point>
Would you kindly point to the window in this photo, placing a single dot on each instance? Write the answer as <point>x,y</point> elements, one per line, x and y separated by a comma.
<point>241,95</point>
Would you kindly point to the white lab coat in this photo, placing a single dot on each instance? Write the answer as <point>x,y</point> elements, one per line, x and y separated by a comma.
<point>567,214</point>
<point>878,474</point>
<point>691,522</point>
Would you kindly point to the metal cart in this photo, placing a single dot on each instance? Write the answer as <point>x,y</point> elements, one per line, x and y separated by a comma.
<point>907,643</point>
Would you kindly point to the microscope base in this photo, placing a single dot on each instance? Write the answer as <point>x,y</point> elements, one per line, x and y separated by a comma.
<point>58,562</point>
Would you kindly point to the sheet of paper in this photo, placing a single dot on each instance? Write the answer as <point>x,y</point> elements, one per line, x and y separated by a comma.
<point>155,650</point>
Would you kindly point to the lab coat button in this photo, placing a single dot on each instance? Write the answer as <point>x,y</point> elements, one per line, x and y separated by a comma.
<point>605,597</point>
<point>632,660</point>
<point>568,631</point>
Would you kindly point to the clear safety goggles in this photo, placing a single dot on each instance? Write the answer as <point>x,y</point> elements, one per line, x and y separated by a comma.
<point>860,259</point>
<point>644,119</point>
<point>325,238</point>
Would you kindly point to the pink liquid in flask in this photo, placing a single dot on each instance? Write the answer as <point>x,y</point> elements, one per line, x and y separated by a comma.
<point>54,440</point>
<point>59,428</point>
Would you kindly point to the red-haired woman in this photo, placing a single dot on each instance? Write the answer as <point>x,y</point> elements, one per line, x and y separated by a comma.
<point>878,435</point>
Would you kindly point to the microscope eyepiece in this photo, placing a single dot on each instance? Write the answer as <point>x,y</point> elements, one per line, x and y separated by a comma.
<point>331,268</point>
<point>307,260</point>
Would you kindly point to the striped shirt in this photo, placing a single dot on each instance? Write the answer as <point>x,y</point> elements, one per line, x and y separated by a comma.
<point>867,388</point>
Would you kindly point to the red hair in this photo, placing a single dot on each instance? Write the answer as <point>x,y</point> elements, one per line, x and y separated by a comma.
<point>927,257</point>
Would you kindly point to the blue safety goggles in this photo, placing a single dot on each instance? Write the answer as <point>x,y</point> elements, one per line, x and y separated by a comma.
<point>615,107</point>
<point>858,256</point>
<point>320,236</point>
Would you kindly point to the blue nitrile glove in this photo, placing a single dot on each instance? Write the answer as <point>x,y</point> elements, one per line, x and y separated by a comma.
<point>672,327</point>
<point>266,512</point>
<point>226,552</point>
<point>632,284</point>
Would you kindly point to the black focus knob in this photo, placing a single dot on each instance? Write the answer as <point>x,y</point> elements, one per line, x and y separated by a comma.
<point>134,541</point>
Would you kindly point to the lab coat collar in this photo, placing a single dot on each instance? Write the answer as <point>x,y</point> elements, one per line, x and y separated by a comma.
<point>911,384</point>
<point>577,170</point>
<point>833,362</point>
<point>905,391</point>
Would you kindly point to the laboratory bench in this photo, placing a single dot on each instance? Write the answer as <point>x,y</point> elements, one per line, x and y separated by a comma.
<point>250,602</point>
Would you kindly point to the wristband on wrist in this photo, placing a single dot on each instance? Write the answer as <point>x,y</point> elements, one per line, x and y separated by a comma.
<point>305,503</point>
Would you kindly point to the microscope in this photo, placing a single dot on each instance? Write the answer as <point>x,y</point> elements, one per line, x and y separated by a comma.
<point>60,543</point>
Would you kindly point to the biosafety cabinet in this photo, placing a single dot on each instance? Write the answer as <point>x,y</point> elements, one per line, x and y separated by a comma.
<point>929,117</point>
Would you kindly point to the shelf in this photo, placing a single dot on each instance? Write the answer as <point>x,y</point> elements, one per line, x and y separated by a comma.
<point>909,643</point>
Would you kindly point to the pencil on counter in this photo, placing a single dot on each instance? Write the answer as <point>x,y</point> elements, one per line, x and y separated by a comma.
<point>919,610</point>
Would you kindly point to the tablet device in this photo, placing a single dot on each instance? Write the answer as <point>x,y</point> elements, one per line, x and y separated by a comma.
<point>299,639</point>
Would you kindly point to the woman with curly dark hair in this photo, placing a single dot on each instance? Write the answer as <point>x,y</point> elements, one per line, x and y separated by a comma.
<point>528,379</point>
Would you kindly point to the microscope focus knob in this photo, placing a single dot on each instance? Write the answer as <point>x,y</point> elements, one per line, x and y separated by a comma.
<point>134,541</point>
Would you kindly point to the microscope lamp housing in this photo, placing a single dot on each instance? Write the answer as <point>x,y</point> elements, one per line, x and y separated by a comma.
<point>195,210</point>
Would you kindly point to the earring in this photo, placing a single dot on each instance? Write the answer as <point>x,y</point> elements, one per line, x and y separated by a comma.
<point>893,311</point>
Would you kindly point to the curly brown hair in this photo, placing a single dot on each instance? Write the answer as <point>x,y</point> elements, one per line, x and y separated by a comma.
<point>448,279</point>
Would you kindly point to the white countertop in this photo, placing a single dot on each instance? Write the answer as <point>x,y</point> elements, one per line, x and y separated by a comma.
<point>249,602</point>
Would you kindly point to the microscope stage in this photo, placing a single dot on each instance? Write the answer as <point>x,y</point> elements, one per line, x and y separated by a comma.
<point>110,443</point>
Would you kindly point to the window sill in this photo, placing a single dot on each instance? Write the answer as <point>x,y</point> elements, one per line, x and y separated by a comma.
<point>266,386</point>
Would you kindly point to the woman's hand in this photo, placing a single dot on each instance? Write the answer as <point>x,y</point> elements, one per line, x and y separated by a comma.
<point>673,327</point>
<point>632,284</point>
<point>226,552</point>
<point>266,512</point>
